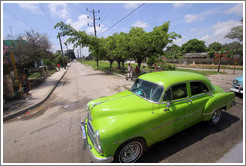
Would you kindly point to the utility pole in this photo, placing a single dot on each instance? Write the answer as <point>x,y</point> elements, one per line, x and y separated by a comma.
<point>61,51</point>
<point>94,24</point>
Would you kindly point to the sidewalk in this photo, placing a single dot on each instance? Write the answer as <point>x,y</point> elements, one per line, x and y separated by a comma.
<point>38,95</point>
<point>234,155</point>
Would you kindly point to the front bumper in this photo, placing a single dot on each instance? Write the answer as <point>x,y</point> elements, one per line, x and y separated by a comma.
<point>87,145</point>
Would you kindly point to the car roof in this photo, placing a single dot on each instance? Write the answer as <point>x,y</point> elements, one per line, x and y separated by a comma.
<point>167,78</point>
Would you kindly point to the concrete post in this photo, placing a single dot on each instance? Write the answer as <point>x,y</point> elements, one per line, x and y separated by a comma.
<point>8,90</point>
<point>42,71</point>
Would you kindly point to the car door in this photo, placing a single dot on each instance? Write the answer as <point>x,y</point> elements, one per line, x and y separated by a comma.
<point>199,95</point>
<point>174,109</point>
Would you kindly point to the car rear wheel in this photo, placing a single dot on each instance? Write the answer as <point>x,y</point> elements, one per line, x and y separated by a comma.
<point>216,117</point>
<point>130,151</point>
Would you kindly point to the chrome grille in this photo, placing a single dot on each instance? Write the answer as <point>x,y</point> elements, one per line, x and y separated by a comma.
<point>91,132</point>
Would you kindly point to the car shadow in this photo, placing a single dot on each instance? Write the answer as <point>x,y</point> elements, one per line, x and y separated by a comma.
<point>184,139</point>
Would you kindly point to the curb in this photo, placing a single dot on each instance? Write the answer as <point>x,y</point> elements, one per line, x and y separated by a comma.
<point>24,110</point>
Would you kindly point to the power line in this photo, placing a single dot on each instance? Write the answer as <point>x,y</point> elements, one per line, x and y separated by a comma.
<point>122,19</point>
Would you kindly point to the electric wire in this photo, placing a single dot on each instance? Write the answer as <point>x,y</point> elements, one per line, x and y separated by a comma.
<point>122,19</point>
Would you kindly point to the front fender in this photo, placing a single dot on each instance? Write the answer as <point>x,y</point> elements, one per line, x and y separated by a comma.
<point>218,100</point>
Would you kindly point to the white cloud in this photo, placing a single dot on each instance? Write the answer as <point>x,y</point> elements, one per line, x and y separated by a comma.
<point>219,30</point>
<point>222,28</point>
<point>131,5</point>
<point>80,23</point>
<point>192,18</point>
<point>237,9</point>
<point>90,30</point>
<point>59,10</point>
<point>193,30</point>
<point>178,5</point>
<point>33,7</point>
<point>140,24</point>
<point>204,38</point>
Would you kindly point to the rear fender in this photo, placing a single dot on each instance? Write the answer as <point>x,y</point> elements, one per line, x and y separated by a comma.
<point>219,100</point>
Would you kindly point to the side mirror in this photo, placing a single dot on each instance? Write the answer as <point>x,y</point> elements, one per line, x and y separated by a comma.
<point>167,106</point>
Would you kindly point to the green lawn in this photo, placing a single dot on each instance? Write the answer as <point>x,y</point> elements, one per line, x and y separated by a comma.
<point>104,66</point>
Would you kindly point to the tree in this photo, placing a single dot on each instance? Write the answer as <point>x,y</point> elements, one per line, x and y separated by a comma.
<point>31,47</point>
<point>234,48</point>
<point>70,54</point>
<point>236,33</point>
<point>80,38</point>
<point>173,52</point>
<point>194,46</point>
<point>145,44</point>
<point>216,46</point>
<point>109,46</point>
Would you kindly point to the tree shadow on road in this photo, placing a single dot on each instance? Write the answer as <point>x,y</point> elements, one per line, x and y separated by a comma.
<point>184,139</point>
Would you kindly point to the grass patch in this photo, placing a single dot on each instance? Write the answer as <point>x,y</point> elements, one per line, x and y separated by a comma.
<point>104,66</point>
<point>205,73</point>
<point>215,67</point>
<point>35,75</point>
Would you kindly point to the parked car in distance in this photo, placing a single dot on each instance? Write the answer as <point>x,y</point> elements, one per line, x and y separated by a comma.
<point>237,86</point>
<point>120,127</point>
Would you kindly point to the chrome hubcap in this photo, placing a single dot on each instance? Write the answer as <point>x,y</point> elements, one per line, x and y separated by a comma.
<point>131,152</point>
<point>216,116</point>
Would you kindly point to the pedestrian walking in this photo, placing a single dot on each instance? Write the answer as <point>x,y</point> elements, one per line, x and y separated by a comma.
<point>129,72</point>
<point>58,67</point>
<point>25,86</point>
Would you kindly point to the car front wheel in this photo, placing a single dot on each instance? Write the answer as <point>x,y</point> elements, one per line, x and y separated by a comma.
<point>130,151</point>
<point>216,118</point>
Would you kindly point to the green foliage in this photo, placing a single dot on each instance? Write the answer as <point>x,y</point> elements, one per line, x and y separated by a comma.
<point>234,48</point>
<point>151,61</point>
<point>173,52</point>
<point>194,46</point>
<point>236,33</point>
<point>166,67</point>
<point>215,46</point>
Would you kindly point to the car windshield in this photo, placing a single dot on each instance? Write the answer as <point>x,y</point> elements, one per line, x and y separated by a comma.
<point>147,90</point>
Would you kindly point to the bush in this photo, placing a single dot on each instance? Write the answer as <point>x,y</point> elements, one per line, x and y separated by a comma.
<point>165,66</point>
<point>151,61</point>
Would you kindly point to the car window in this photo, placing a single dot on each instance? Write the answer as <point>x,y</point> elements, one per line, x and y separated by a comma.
<point>198,88</point>
<point>148,90</point>
<point>179,91</point>
<point>176,92</point>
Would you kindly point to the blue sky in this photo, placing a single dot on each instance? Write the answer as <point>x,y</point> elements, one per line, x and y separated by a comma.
<point>204,21</point>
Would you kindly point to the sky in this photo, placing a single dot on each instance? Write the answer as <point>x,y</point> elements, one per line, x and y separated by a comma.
<point>205,21</point>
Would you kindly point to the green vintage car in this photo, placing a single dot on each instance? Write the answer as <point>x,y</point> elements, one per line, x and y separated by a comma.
<point>120,127</point>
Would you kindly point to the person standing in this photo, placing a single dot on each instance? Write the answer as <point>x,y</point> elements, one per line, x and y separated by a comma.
<point>129,74</point>
<point>25,84</point>
<point>58,66</point>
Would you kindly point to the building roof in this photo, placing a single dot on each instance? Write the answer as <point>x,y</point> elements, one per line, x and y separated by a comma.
<point>195,55</point>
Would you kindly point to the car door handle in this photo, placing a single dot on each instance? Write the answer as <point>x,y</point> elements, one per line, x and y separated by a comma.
<point>189,101</point>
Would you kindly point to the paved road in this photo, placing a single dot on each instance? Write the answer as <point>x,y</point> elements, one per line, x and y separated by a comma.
<point>51,132</point>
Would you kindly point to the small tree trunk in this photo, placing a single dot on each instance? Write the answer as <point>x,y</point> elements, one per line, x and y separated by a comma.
<point>111,62</point>
<point>97,62</point>
<point>118,64</point>
<point>123,66</point>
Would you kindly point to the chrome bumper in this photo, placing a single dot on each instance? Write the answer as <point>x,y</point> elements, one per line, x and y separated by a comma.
<point>239,90</point>
<point>88,147</point>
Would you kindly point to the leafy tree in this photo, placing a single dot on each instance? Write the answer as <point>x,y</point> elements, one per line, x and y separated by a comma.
<point>70,54</point>
<point>234,48</point>
<point>216,46</point>
<point>36,46</point>
<point>145,44</point>
<point>151,61</point>
<point>236,33</point>
<point>194,46</point>
<point>109,46</point>
<point>173,52</point>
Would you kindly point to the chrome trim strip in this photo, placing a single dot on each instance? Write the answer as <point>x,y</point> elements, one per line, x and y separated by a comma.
<point>164,124</point>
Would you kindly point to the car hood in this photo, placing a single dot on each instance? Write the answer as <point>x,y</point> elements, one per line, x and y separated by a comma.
<point>118,104</point>
<point>239,79</point>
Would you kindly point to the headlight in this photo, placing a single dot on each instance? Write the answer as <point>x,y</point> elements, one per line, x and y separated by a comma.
<point>97,143</point>
<point>235,81</point>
